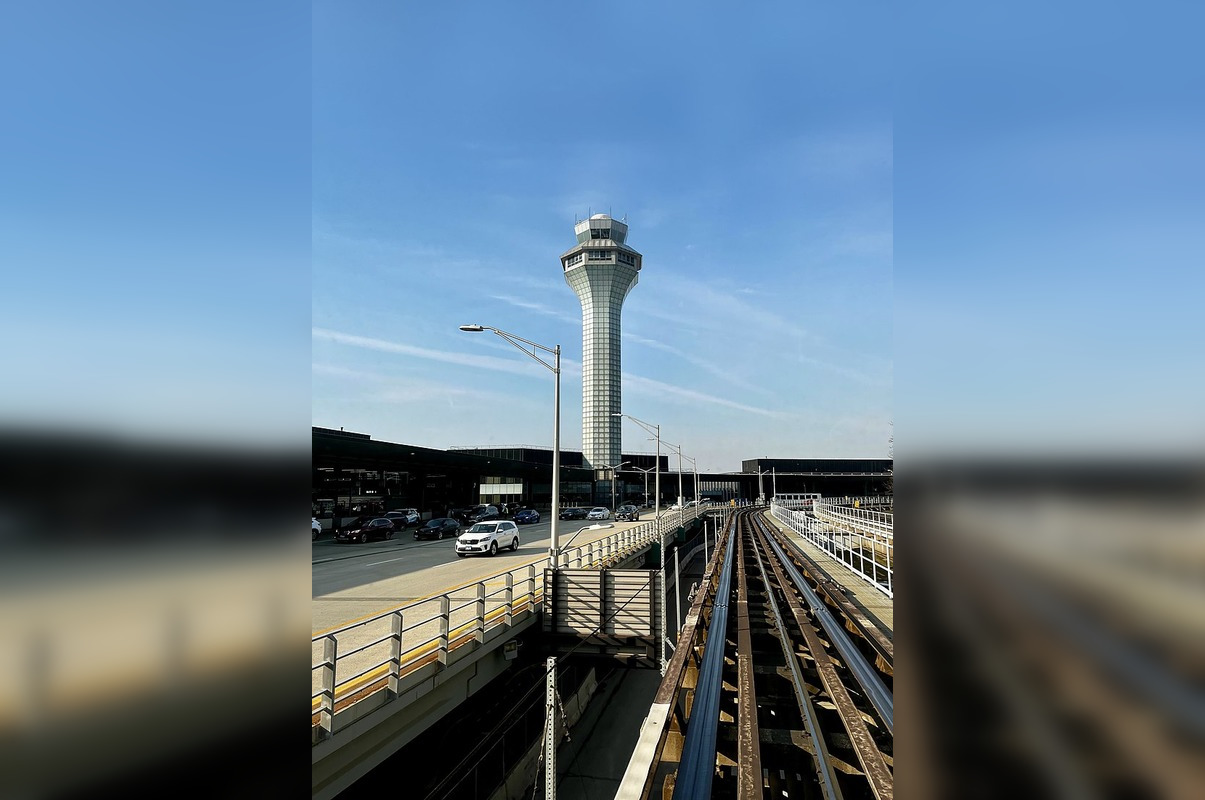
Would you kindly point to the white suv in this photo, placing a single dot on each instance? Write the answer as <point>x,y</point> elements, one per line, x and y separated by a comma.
<point>488,537</point>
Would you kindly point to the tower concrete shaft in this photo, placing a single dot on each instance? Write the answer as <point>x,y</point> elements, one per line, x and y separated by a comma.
<point>601,269</point>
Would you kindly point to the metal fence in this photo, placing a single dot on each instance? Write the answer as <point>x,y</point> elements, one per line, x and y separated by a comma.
<point>859,538</point>
<point>373,655</point>
<point>866,520</point>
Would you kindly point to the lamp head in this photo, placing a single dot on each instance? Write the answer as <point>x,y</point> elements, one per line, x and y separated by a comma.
<point>472,328</point>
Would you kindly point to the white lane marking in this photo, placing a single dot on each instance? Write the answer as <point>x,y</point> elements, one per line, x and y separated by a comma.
<point>373,564</point>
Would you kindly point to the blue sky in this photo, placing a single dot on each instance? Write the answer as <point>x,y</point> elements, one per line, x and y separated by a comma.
<point>232,221</point>
<point>749,150</point>
<point>154,220</point>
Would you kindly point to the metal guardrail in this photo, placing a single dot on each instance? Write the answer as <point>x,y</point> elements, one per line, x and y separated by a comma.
<point>374,654</point>
<point>868,551</point>
<point>866,520</point>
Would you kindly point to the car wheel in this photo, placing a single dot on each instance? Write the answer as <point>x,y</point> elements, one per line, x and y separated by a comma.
<point>440,535</point>
<point>514,545</point>
<point>363,538</point>
<point>388,535</point>
<point>493,548</point>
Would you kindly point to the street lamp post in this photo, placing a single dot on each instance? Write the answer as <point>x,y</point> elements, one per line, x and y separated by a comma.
<point>613,468</point>
<point>695,464</point>
<point>646,482</point>
<point>656,431</point>
<point>555,367</point>
<point>681,495</point>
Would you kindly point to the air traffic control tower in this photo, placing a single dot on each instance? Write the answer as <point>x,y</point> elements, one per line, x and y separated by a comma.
<point>601,269</point>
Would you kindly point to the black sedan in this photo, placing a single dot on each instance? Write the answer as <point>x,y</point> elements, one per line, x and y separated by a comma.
<point>438,528</point>
<point>378,528</point>
<point>627,513</point>
<point>573,513</point>
<point>526,516</point>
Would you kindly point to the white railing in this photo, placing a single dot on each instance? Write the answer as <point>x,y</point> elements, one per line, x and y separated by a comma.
<point>864,520</point>
<point>374,655</point>
<point>868,552</point>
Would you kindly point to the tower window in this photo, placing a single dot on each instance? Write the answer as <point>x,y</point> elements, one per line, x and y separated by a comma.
<point>600,233</point>
<point>598,255</point>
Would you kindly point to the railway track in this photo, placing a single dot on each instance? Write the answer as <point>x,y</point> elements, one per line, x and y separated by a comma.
<point>778,688</point>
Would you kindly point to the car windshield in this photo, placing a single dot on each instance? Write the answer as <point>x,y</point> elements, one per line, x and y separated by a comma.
<point>482,527</point>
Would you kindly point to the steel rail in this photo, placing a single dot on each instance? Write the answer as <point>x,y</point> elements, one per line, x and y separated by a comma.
<point>878,694</point>
<point>748,762</point>
<point>832,590</point>
<point>874,766</point>
<point>824,767</point>
<point>698,751</point>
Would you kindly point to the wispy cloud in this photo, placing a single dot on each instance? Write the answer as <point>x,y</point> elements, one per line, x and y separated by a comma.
<point>335,371</point>
<point>862,243</point>
<point>418,392</point>
<point>654,388</point>
<point>539,308</point>
<point>710,367</point>
<point>847,372</point>
<point>463,359</point>
<point>722,310</point>
<point>390,389</point>
<point>515,366</point>
<point>635,382</point>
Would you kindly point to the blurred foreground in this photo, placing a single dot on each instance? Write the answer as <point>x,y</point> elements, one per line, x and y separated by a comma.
<point>153,609</point>
<point>1051,620</point>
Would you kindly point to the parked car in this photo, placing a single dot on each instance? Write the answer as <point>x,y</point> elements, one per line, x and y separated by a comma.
<point>572,513</point>
<point>526,516</point>
<point>627,513</point>
<point>378,528</point>
<point>484,514</point>
<point>351,524</point>
<point>315,526</point>
<point>598,512</point>
<point>404,517</point>
<point>488,537</point>
<point>480,513</point>
<point>438,528</point>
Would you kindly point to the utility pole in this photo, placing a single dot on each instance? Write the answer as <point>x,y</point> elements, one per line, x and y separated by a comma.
<point>551,720</point>
<point>613,468</point>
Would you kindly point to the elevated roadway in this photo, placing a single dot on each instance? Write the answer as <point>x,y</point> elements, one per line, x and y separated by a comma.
<point>404,630</point>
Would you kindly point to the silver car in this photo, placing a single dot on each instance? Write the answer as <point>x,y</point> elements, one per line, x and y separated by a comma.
<point>488,537</point>
<point>598,512</point>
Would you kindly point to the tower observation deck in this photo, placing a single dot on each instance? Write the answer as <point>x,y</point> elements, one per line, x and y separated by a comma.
<point>601,269</point>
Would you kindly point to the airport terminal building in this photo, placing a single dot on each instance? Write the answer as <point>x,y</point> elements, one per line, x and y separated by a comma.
<point>354,473</point>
